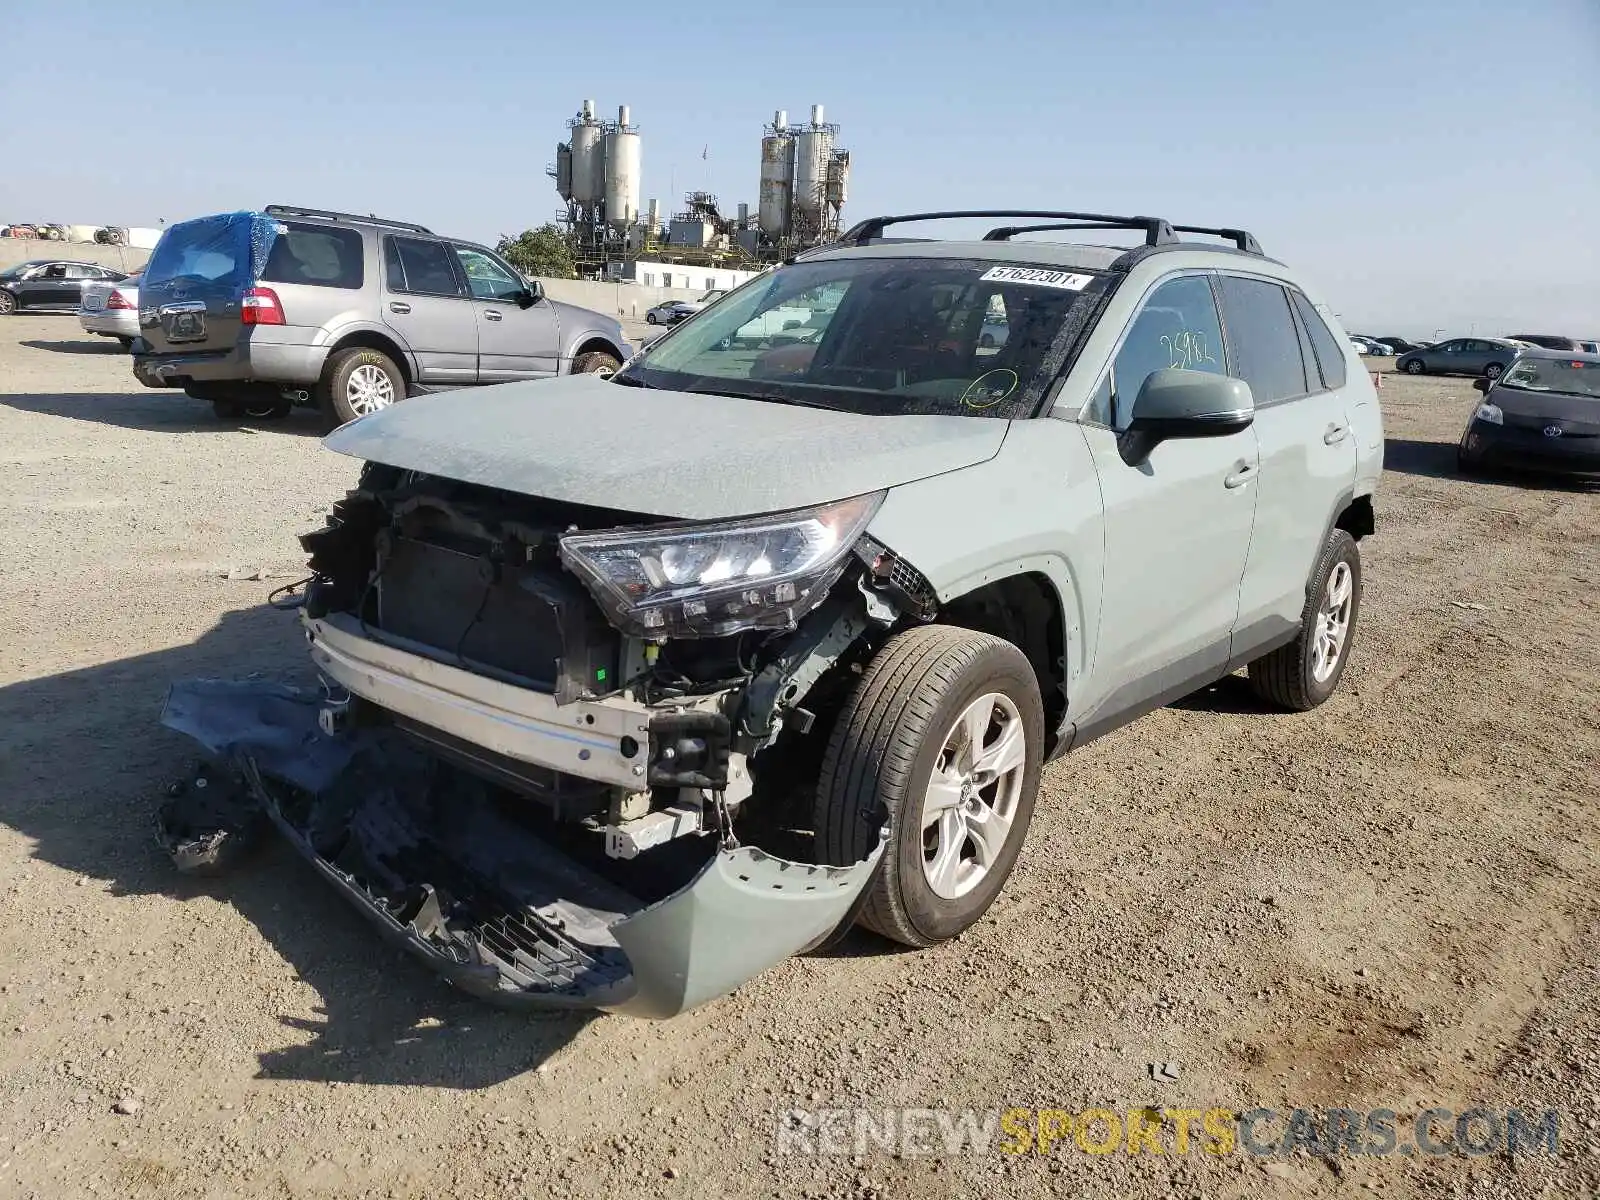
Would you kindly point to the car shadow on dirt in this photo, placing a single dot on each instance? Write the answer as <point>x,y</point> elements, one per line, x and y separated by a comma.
<point>81,346</point>
<point>1230,694</point>
<point>83,765</point>
<point>161,410</point>
<point>1437,460</point>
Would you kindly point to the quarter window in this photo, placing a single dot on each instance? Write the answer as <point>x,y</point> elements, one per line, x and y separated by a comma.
<point>1177,327</point>
<point>423,267</point>
<point>1262,338</point>
<point>1330,358</point>
<point>316,255</point>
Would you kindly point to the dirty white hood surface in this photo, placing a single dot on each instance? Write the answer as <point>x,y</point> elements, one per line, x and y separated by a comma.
<point>673,454</point>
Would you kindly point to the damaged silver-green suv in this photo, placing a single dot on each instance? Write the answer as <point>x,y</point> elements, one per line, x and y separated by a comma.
<point>633,687</point>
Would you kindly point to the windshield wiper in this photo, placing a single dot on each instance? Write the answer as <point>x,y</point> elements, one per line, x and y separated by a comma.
<point>633,381</point>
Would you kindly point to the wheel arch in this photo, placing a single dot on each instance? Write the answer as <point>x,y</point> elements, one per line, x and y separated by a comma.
<point>592,343</point>
<point>373,339</point>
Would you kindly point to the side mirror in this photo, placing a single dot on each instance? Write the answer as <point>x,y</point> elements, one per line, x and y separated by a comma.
<point>531,295</point>
<point>1483,384</point>
<point>1174,403</point>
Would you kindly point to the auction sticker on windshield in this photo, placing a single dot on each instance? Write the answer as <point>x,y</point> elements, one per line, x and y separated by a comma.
<point>1039,277</point>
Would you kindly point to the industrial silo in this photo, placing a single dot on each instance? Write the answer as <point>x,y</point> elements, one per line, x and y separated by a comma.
<point>564,171</point>
<point>812,150</point>
<point>777,177</point>
<point>838,179</point>
<point>588,158</point>
<point>623,184</point>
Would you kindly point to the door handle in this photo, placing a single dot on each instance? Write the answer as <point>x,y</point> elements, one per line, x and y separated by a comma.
<point>1334,434</point>
<point>396,306</point>
<point>492,314</point>
<point>1242,475</point>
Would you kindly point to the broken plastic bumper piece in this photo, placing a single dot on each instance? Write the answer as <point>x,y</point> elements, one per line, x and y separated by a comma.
<point>463,876</point>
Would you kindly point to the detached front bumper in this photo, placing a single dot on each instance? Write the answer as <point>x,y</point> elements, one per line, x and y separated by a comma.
<point>462,877</point>
<point>1520,448</point>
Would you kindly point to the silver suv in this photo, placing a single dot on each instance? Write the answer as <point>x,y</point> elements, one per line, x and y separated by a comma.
<point>633,687</point>
<point>257,312</point>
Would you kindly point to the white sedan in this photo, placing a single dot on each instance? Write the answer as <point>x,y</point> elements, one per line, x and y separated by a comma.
<point>111,309</point>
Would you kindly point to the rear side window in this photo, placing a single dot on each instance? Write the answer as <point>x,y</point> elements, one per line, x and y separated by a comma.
<point>1330,358</point>
<point>420,266</point>
<point>1262,336</point>
<point>316,255</point>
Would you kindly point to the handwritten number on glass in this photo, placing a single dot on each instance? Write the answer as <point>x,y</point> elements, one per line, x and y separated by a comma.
<point>1187,350</point>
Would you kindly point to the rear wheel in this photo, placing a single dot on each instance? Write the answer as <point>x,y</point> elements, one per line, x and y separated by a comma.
<point>596,362</point>
<point>1304,673</point>
<point>359,381</point>
<point>1494,370</point>
<point>254,409</point>
<point>942,739</point>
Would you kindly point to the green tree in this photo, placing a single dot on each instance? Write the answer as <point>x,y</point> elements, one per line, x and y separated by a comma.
<point>541,251</point>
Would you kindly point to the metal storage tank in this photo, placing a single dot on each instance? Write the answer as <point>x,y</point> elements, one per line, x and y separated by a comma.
<point>777,177</point>
<point>623,184</point>
<point>838,179</point>
<point>588,158</point>
<point>812,150</point>
<point>564,171</point>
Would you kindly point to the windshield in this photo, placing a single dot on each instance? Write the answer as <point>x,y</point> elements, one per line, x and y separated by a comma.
<point>882,335</point>
<point>1571,376</point>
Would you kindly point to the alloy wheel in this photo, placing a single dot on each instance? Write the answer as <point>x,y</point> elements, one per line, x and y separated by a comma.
<point>1333,622</point>
<point>368,389</point>
<point>972,795</point>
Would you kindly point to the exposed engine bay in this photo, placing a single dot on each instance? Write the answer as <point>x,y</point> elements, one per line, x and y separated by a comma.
<point>550,795</point>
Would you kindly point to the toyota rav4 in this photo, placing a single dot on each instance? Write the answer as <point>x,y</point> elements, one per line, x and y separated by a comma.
<point>634,686</point>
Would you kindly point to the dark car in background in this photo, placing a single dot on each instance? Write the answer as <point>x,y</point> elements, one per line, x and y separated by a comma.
<point>1460,356</point>
<point>1399,345</point>
<point>1548,341</point>
<point>50,283</point>
<point>1541,415</point>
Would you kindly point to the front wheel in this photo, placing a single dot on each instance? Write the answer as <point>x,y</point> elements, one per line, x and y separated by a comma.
<point>650,319</point>
<point>1304,673</point>
<point>359,381</point>
<point>943,739</point>
<point>1414,367</point>
<point>596,362</point>
<point>8,304</point>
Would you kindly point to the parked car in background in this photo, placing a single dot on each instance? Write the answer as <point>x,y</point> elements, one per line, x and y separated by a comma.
<point>1547,341</point>
<point>1589,347</point>
<point>1367,346</point>
<point>669,312</point>
<point>111,309</point>
<point>260,311</point>
<point>1398,345</point>
<point>49,283</point>
<point>1461,356</point>
<point>1543,415</point>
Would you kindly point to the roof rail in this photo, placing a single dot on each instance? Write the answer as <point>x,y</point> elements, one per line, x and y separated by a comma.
<point>1157,232</point>
<point>1242,238</point>
<point>294,210</point>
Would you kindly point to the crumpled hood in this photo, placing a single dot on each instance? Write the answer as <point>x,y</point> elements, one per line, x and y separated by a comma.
<point>582,440</point>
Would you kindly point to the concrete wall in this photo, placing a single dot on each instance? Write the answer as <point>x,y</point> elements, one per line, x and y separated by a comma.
<point>123,258</point>
<point>626,301</point>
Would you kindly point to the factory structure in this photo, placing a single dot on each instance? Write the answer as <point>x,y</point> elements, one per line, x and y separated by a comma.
<point>803,184</point>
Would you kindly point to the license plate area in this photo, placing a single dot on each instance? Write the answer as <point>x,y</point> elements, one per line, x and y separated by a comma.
<point>185,323</point>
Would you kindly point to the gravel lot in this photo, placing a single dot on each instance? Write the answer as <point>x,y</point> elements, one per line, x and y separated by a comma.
<point>1390,902</point>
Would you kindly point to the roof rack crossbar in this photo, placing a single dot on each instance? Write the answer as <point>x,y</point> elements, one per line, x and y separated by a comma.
<point>1241,238</point>
<point>1005,233</point>
<point>294,210</point>
<point>1157,231</point>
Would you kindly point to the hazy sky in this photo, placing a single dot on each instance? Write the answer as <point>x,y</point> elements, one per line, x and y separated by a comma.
<point>1429,164</point>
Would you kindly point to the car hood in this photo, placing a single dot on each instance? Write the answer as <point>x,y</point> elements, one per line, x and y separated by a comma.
<point>583,440</point>
<point>1558,406</point>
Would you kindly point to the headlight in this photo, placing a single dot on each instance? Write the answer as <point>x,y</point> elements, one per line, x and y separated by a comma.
<point>1490,413</point>
<point>710,580</point>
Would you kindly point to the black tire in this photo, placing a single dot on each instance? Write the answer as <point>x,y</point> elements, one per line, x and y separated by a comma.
<point>8,303</point>
<point>650,319</point>
<point>1415,367</point>
<point>228,410</point>
<point>1464,464</point>
<point>1494,370</point>
<point>881,756</point>
<point>333,390</point>
<point>125,342</point>
<point>596,362</point>
<point>1286,676</point>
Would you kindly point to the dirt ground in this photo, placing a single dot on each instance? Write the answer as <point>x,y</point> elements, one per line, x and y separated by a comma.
<point>1390,902</point>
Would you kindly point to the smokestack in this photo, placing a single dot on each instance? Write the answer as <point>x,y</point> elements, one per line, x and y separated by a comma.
<point>622,114</point>
<point>816,114</point>
<point>588,110</point>
<point>780,120</point>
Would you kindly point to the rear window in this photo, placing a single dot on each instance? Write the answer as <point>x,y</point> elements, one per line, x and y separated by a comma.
<point>315,255</point>
<point>1266,347</point>
<point>210,250</point>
